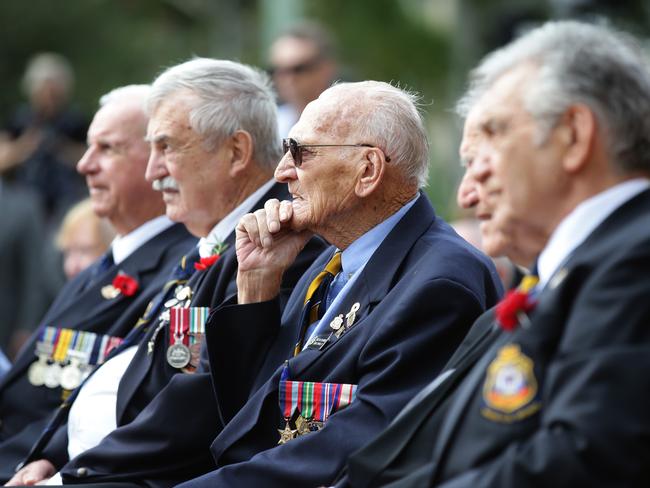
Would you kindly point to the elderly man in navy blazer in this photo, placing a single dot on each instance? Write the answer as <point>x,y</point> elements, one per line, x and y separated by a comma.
<point>371,322</point>
<point>560,397</point>
<point>89,306</point>
<point>214,142</point>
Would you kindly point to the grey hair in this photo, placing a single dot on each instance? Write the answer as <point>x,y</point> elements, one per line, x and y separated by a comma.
<point>45,66</point>
<point>580,63</point>
<point>390,118</point>
<point>230,96</point>
<point>136,92</point>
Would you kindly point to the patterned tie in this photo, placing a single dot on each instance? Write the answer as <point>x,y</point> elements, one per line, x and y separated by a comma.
<point>106,261</point>
<point>316,293</point>
<point>100,266</point>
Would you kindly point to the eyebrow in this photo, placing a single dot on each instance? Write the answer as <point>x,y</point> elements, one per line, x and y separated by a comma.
<point>156,139</point>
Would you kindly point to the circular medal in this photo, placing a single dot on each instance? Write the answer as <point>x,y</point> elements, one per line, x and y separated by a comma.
<point>52,377</point>
<point>178,355</point>
<point>36,373</point>
<point>71,377</point>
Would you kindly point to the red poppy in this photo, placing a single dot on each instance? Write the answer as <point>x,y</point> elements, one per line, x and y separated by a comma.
<point>516,302</point>
<point>126,284</point>
<point>205,263</point>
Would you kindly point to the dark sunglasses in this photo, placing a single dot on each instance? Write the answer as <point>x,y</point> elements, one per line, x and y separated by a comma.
<point>295,148</point>
<point>296,69</point>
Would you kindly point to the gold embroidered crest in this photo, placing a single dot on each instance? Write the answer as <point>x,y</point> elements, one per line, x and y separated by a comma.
<point>510,386</point>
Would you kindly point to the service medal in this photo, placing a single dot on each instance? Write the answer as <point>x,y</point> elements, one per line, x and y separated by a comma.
<point>36,372</point>
<point>71,376</point>
<point>286,434</point>
<point>178,355</point>
<point>52,377</point>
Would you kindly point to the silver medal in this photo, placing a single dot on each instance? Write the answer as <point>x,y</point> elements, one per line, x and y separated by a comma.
<point>52,378</point>
<point>178,355</point>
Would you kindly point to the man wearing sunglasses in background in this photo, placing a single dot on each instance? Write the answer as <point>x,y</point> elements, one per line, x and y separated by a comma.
<point>372,321</point>
<point>302,65</point>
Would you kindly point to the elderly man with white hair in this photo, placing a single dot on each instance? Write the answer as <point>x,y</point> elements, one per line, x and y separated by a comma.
<point>370,323</point>
<point>213,136</point>
<point>557,144</point>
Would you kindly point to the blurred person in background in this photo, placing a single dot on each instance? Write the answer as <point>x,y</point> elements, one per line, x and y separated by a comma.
<point>43,139</point>
<point>82,238</point>
<point>23,297</point>
<point>303,65</point>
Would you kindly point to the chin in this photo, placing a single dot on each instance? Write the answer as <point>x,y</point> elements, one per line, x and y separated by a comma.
<point>494,247</point>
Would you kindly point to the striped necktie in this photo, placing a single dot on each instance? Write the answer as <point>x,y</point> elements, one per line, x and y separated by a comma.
<point>316,294</point>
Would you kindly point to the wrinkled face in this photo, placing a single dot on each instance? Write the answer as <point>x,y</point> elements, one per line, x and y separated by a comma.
<point>323,187</point>
<point>511,178</point>
<point>194,180</point>
<point>115,162</point>
<point>299,74</point>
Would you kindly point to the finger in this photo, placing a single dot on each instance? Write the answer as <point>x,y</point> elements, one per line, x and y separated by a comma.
<point>286,211</point>
<point>265,236</point>
<point>271,208</point>
<point>247,228</point>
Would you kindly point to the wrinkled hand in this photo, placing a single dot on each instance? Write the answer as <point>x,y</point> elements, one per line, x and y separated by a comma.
<point>266,246</point>
<point>33,473</point>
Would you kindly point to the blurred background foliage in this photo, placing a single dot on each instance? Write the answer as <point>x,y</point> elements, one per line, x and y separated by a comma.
<point>425,45</point>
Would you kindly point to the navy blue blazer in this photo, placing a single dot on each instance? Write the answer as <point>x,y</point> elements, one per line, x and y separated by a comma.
<point>418,296</point>
<point>24,408</point>
<point>128,452</point>
<point>575,409</point>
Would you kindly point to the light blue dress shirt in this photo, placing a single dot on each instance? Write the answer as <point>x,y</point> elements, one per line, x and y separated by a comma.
<point>353,260</point>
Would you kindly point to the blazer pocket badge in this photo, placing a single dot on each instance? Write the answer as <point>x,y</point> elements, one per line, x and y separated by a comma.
<point>510,388</point>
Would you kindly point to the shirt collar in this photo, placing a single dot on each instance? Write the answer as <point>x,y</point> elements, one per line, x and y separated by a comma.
<point>226,226</point>
<point>582,221</point>
<point>124,246</point>
<point>357,254</point>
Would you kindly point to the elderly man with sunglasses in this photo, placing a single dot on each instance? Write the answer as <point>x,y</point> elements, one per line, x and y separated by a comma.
<point>372,320</point>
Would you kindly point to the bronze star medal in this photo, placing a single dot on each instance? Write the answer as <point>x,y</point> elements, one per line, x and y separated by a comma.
<point>286,434</point>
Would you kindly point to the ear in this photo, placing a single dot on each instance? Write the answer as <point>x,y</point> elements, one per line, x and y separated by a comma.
<point>371,172</point>
<point>241,152</point>
<point>577,132</point>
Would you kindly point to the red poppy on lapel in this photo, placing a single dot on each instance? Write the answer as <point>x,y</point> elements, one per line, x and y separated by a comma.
<point>205,263</point>
<point>126,284</point>
<point>516,303</point>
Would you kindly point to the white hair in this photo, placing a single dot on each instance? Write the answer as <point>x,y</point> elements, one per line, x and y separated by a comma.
<point>389,118</point>
<point>138,93</point>
<point>580,63</point>
<point>230,96</point>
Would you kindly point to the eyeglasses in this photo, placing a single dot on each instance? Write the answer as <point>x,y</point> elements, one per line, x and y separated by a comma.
<point>295,148</point>
<point>296,69</point>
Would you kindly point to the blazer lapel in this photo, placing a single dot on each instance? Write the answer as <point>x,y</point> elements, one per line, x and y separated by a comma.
<point>463,396</point>
<point>136,375</point>
<point>377,277</point>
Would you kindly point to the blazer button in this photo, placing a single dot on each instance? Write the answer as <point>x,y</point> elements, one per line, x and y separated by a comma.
<point>81,472</point>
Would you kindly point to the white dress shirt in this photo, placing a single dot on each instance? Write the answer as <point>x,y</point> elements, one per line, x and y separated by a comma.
<point>124,246</point>
<point>93,413</point>
<point>226,226</point>
<point>581,222</point>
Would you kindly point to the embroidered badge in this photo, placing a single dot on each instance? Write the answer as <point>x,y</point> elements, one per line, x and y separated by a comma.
<point>510,388</point>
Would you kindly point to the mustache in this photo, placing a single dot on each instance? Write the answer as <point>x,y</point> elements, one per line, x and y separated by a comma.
<point>166,183</point>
